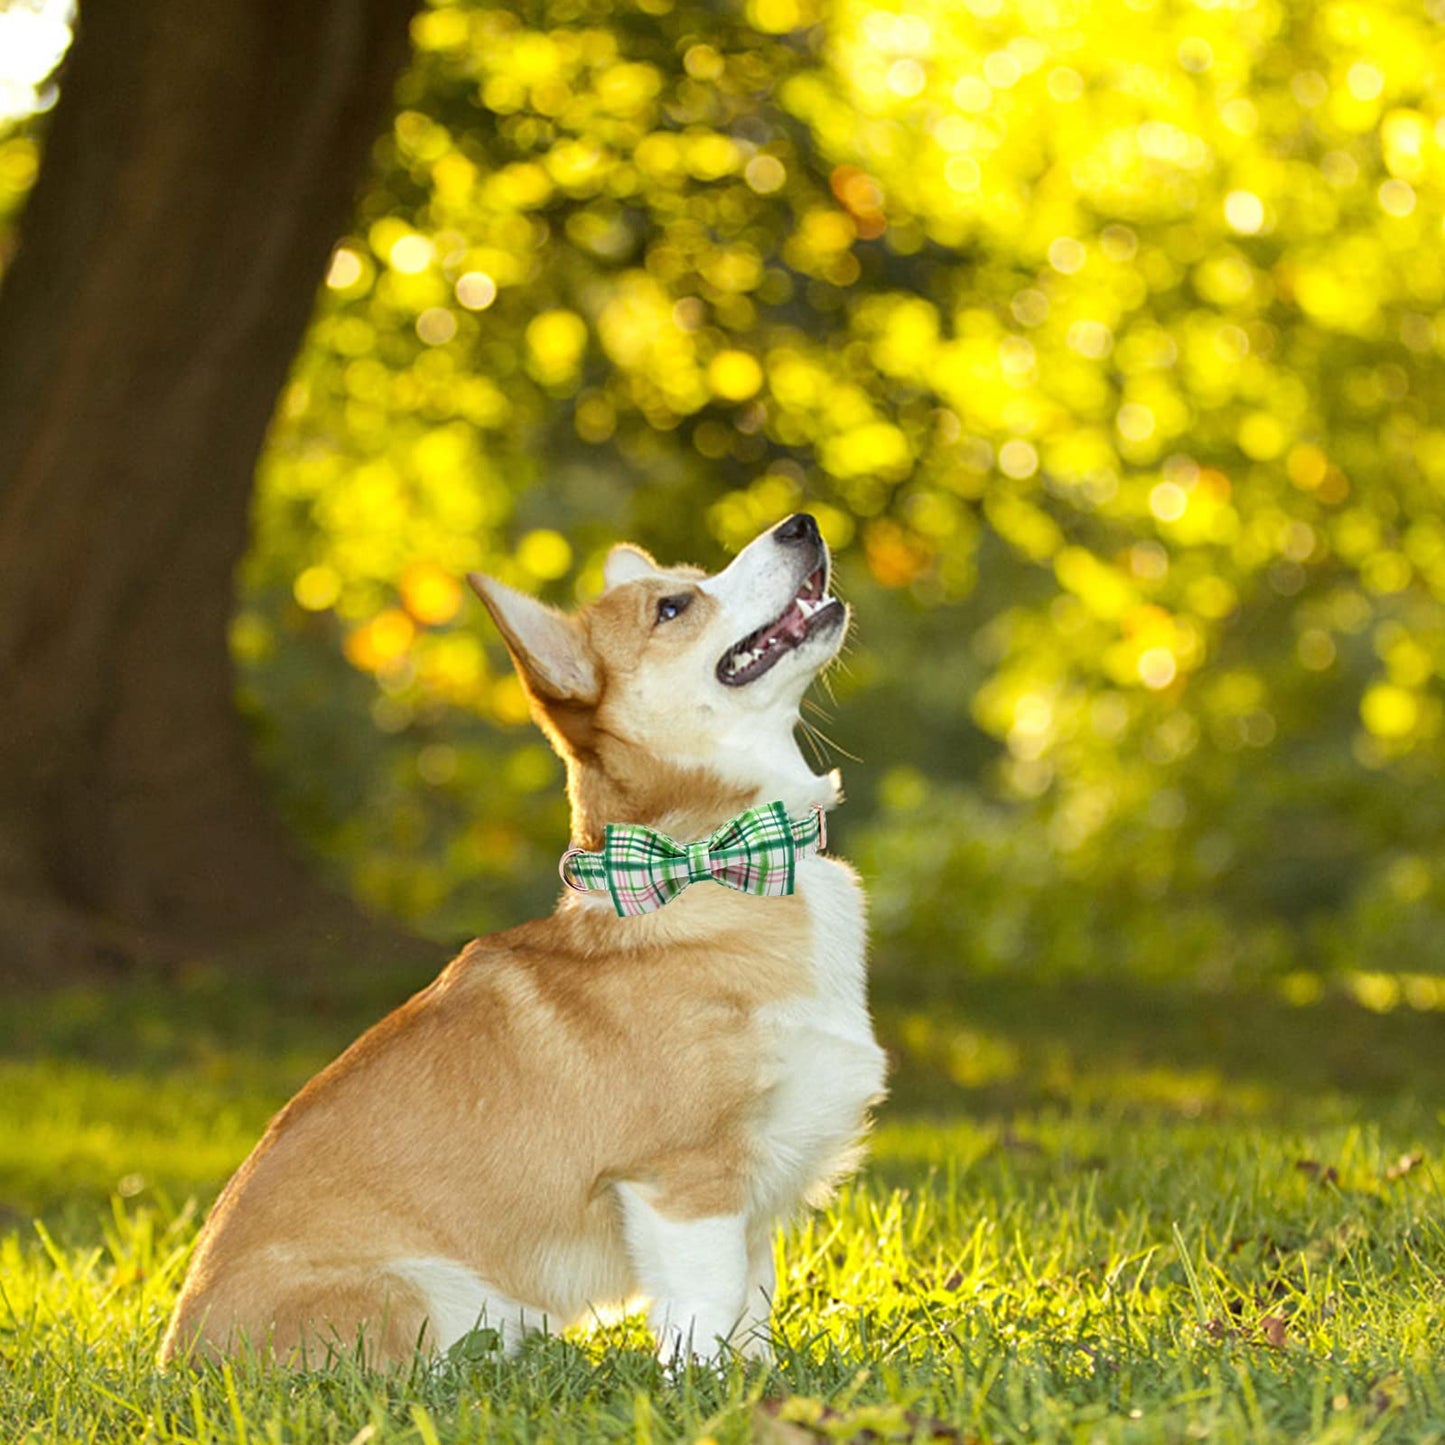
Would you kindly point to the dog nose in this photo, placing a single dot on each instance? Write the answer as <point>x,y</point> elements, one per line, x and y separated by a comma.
<point>798,528</point>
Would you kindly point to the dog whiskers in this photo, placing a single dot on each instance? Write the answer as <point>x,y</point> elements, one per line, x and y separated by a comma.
<point>818,740</point>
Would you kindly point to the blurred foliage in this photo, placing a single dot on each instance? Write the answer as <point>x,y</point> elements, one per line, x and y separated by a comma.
<point>1104,340</point>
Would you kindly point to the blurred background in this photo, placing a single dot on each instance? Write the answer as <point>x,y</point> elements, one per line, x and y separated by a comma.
<point>1104,338</point>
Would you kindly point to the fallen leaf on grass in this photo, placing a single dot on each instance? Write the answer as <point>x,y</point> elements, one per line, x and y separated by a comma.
<point>768,1429</point>
<point>1269,1330</point>
<point>1405,1163</point>
<point>1385,1395</point>
<point>799,1420</point>
<point>1018,1144</point>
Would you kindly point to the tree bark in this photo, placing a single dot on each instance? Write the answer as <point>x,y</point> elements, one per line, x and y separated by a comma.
<point>200,163</point>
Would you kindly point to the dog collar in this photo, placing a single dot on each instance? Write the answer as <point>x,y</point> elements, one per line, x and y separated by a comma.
<point>642,869</point>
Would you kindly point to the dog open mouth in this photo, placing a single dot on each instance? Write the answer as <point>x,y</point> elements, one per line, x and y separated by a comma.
<point>810,611</point>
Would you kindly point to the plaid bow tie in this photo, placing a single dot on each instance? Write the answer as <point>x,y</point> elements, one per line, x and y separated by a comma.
<point>642,869</point>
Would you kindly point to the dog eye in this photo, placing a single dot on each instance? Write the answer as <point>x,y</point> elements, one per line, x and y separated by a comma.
<point>671,607</point>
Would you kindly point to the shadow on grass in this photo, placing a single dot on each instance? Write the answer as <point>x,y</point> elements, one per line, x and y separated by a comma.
<point>995,1046</point>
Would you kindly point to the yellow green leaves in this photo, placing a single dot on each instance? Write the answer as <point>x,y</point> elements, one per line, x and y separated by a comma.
<point>876,448</point>
<point>1117,328</point>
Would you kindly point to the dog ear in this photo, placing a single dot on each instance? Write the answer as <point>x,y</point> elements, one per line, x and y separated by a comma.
<point>626,563</point>
<point>547,646</point>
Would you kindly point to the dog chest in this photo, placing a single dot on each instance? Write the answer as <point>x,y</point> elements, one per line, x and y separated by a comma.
<point>823,1065</point>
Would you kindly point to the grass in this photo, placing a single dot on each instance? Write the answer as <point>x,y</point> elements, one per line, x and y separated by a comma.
<point>1092,1214</point>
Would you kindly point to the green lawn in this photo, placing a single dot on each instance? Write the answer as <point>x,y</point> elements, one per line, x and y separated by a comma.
<point>1093,1214</point>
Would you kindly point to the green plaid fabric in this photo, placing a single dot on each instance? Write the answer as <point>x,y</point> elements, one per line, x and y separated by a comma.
<point>642,869</point>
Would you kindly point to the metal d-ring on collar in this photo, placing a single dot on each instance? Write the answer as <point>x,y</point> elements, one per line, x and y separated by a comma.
<point>562,863</point>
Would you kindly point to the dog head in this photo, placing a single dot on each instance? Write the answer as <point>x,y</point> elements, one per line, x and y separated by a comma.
<point>676,692</point>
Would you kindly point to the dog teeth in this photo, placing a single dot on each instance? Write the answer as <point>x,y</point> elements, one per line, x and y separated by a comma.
<point>790,633</point>
<point>808,609</point>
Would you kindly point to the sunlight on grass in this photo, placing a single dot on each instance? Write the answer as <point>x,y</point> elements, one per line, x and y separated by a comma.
<point>1116,1265</point>
<point>1021,1291</point>
<point>76,1130</point>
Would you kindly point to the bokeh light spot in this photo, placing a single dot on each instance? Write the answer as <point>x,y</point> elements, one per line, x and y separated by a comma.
<point>1018,459</point>
<point>410,254</point>
<point>1067,255</point>
<point>906,78</point>
<point>1135,421</point>
<point>436,325</point>
<point>1365,80</point>
<point>1397,197</point>
<point>430,594</point>
<point>345,269</point>
<point>545,554</point>
<point>1390,712</point>
<point>765,174</point>
<point>317,588</point>
<point>382,641</point>
<point>734,375</point>
<point>555,341</point>
<point>1244,211</point>
<point>1168,501</point>
<point>775,17</point>
<point>1157,667</point>
<point>1316,649</point>
<point>476,290</point>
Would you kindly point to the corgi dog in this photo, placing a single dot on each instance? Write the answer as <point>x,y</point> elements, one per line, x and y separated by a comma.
<point>594,1106</point>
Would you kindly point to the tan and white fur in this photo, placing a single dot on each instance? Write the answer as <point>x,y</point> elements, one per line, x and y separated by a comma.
<point>588,1108</point>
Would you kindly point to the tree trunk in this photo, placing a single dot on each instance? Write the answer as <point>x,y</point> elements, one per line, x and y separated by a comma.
<point>201,161</point>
